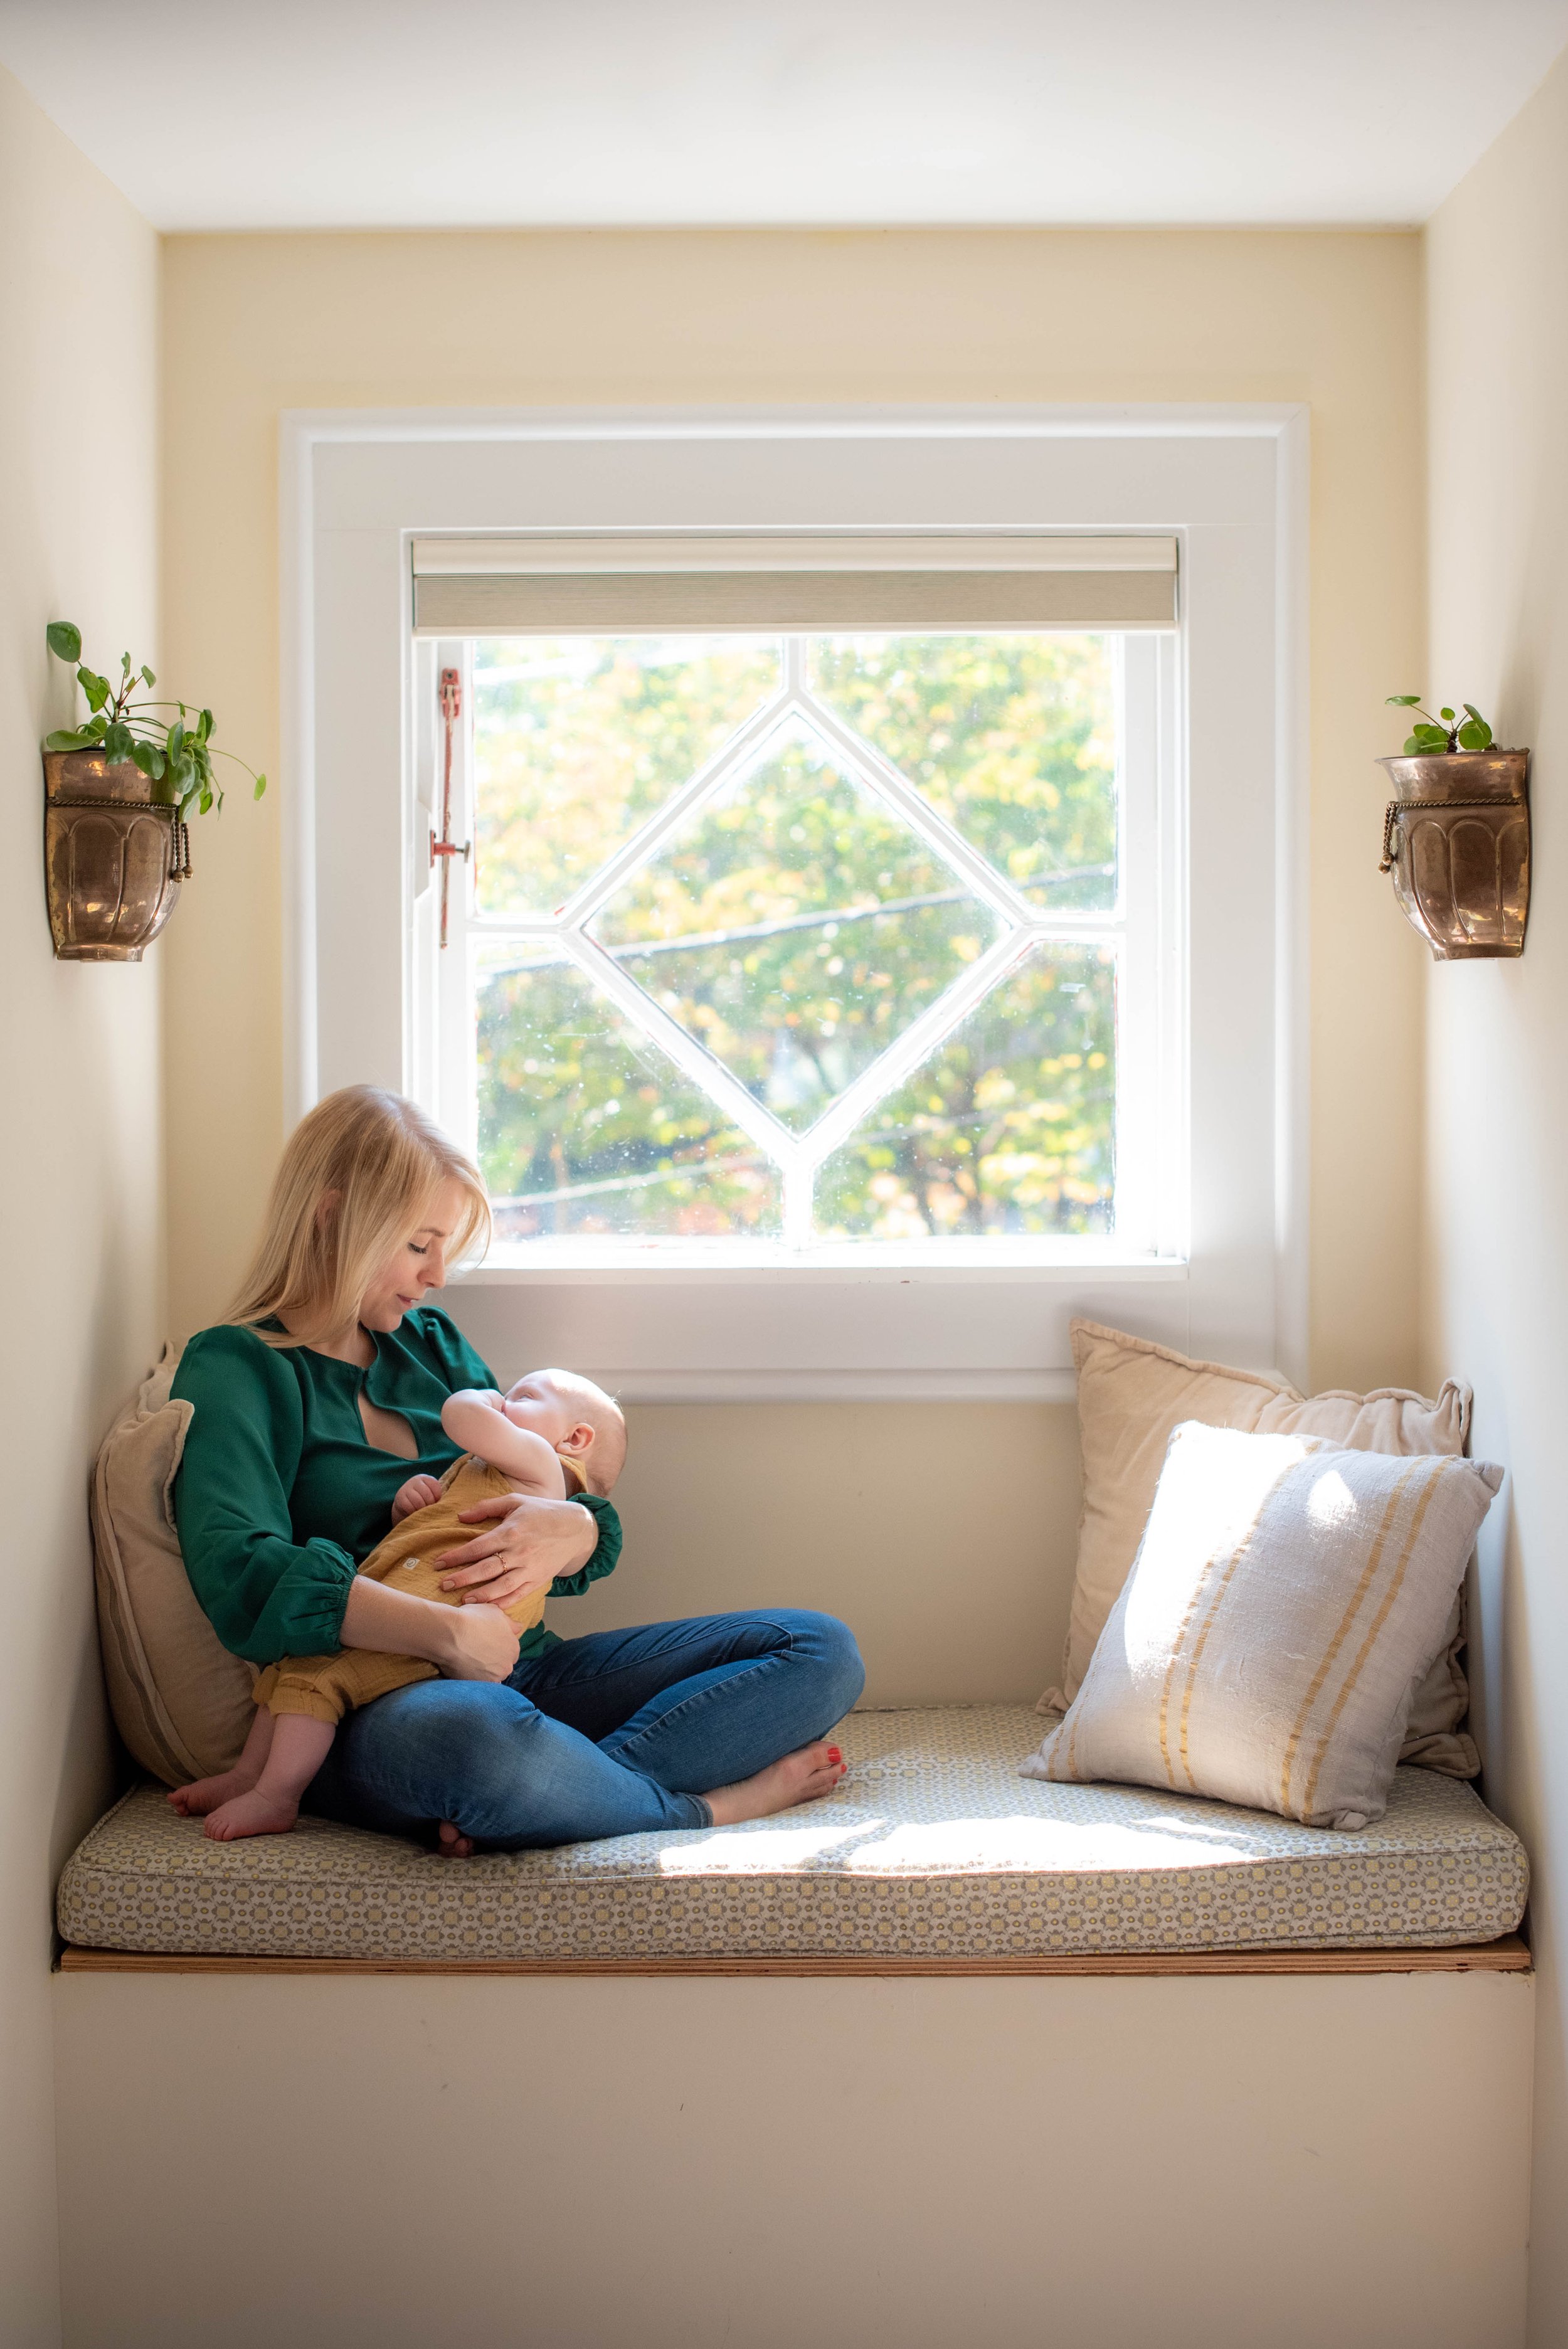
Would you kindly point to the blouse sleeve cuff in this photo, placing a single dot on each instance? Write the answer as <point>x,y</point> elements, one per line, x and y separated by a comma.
<point>607,1552</point>
<point>304,1615</point>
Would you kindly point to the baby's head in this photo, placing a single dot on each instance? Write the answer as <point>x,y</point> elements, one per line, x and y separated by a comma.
<point>576,1419</point>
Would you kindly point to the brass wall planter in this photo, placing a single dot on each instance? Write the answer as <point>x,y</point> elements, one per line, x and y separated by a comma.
<point>1456,838</point>
<point>113,858</point>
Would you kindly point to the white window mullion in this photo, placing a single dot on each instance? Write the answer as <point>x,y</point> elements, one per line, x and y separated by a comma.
<point>1138,1037</point>
<point>711,1076</point>
<point>887,783</point>
<point>917,1041</point>
<point>742,748</point>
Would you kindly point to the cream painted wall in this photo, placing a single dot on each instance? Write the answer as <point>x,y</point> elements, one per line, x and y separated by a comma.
<point>1205,2163</point>
<point>1497,1268</point>
<point>81,1173</point>
<point>256,325</point>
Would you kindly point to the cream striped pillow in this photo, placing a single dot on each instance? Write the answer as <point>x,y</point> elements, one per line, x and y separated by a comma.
<point>1288,1597</point>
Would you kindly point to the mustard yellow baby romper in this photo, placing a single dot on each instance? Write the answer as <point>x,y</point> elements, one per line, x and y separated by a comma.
<point>327,1687</point>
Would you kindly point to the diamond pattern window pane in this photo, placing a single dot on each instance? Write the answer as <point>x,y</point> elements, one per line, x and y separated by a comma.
<point>798,917</point>
<point>1012,738</point>
<point>796,926</point>
<point>1009,1126</point>
<point>578,740</point>
<point>586,1127</point>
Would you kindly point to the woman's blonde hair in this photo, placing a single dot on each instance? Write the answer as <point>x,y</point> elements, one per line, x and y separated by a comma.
<point>358,1172</point>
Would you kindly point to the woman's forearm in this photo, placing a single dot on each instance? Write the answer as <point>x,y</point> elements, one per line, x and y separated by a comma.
<point>396,1623</point>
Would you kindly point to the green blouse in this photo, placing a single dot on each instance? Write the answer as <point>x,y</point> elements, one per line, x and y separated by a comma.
<point>280,1495</point>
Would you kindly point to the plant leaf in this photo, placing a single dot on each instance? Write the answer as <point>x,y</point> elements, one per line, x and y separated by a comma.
<point>67,739</point>
<point>96,688</point>
<point>1403,702</point>
<point>118,743</point>
<point>65,640</point>
<point>204,726</point>
<point>146,676</point>
<point>1475,736</point>
<point>1447,715</point>
<point>206,803</point>
<point>261,787</point>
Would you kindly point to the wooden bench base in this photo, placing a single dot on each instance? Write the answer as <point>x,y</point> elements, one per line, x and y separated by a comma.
<point>1508,1955</point>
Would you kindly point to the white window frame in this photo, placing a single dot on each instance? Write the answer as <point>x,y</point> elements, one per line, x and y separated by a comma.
<point>1223,1272</point>
<point>1149,1199</point>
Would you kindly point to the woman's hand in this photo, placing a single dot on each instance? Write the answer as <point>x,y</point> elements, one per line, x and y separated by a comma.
<point>466,1643</point>
<point>526,1544</point>
<point>482,1646</point>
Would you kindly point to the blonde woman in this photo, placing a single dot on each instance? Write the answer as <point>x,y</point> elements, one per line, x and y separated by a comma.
<point>314,1402</point>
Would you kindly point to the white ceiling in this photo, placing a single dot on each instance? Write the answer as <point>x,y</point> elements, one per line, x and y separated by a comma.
<point>246,114</point>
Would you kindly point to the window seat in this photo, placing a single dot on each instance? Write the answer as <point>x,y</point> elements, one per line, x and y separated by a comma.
<point>932,1853</point>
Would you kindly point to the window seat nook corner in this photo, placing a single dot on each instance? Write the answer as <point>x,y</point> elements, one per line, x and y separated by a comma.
<point>934,1850</point>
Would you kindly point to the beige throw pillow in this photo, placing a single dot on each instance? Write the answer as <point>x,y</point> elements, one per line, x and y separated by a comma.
<point>1132,1395</point>
<point>1288,1597</point>
<point>180,1700</point>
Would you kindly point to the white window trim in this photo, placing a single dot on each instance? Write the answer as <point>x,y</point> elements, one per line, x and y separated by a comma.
<point>1228,483</point>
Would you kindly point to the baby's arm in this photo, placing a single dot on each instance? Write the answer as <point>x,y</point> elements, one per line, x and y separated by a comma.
<point>474,1419</point>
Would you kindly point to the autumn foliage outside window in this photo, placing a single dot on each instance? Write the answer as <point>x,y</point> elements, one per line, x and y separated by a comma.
<point>812,939</point>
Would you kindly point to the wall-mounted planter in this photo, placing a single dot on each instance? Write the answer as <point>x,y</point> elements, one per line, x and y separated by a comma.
<point>113,859</point>
<point>1456,838</point>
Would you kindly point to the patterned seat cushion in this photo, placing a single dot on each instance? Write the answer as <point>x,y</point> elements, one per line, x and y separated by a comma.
<point>932,1846</point>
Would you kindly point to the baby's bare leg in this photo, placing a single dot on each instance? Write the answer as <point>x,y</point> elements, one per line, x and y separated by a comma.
<point>299,1747</point>
<point>194,1802</point>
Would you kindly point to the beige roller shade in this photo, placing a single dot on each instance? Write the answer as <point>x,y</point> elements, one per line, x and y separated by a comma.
<point>599,585</point>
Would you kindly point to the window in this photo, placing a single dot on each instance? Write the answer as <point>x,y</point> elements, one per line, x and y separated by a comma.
<point>809,939</point>
<point>1066,918</point>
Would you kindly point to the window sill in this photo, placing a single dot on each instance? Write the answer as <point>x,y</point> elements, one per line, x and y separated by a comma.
<point>657,1323</point>
<point>724,1261</point>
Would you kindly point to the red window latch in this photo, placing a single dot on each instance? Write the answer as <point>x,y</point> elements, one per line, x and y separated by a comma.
<point>444,849</point>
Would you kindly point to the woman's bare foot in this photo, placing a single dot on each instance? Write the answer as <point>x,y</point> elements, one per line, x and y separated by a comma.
<point>194,1802</point>
<point>451,1843</point>
<point>253,1812</point>
<point>800,1777</point>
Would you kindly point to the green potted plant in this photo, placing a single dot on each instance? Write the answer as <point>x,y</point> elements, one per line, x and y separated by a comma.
<point>119,793</point>
<point>1455,835</point>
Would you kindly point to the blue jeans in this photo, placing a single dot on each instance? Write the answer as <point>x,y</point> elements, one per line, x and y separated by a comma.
<point>619,1733</point>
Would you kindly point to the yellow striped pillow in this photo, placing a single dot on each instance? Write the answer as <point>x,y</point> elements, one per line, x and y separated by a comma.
<point>1288,1596</point>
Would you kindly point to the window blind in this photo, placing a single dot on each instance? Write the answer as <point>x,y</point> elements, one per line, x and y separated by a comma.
<point>596,583</point>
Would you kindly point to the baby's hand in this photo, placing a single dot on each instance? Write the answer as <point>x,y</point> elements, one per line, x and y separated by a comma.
<point>416,1494</point>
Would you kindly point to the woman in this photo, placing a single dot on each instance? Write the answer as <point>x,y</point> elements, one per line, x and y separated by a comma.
<point>310,1403</point>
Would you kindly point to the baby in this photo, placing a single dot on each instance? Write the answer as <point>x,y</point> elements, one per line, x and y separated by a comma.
<point>553,1434</point>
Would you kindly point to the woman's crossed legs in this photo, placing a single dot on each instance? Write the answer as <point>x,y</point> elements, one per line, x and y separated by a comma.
<point>681,1724</point>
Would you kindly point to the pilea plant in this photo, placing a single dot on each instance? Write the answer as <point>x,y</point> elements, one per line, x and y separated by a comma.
<point>174,754</point>
<point>1434,738</point>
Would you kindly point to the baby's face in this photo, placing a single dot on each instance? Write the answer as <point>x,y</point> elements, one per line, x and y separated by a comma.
<point>536,1402</point>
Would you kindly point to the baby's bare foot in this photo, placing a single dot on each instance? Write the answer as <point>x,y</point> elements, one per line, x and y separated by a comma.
<point>194,1802</point>
<point>254,1813</point>
<point>451,1843</point>
<point>800,1777</point>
